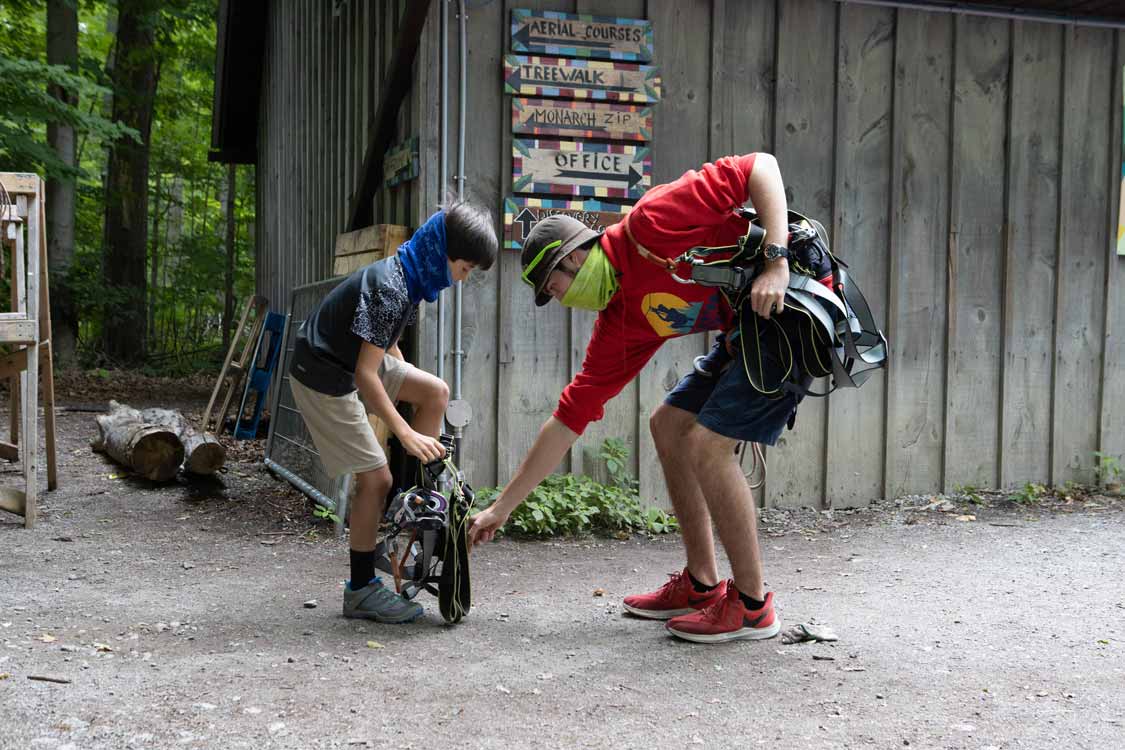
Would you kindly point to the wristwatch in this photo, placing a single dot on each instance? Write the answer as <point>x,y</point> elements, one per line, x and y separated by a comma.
<point>773,252</point>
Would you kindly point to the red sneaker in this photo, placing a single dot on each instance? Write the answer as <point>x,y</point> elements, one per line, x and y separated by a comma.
<point>727,620</point>
<point>676,597</point>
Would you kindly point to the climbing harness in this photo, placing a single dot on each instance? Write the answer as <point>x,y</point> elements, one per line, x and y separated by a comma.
<point>426,542</point>
<point>827,328</point>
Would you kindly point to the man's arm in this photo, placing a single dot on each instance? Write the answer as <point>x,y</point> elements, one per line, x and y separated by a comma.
<point>766,192</point>
<point>546,453</point>
<point>375,397</point>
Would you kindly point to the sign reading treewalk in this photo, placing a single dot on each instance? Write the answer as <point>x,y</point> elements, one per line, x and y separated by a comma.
<point>549,32</point>
<point>580,79</point>
<point>599,170</point>
<point>573,118</point>
<point>521,214</point>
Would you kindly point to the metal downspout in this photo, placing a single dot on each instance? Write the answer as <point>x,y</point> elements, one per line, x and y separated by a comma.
<point>458,352</point>
<point>443,173</point>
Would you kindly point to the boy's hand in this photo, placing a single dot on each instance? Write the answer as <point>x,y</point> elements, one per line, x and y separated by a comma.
<point>423,447</point>
<point>485,525</point>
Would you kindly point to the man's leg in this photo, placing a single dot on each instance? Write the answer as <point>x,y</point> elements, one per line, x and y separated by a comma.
<point>731,504</point>
<point>670,427</point>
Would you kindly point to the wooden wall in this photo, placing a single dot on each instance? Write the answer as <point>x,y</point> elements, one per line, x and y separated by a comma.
<point>968,167</point>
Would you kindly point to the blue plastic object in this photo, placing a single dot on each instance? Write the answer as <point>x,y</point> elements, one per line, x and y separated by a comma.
<point>260,376</point>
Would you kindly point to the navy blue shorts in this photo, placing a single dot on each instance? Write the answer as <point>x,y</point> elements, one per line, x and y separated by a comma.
<point>727,404</point>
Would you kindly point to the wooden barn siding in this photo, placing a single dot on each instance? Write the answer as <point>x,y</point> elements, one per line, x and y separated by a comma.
<point>974,194</point>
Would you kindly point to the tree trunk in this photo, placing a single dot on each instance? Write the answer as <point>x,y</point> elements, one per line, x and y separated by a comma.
<point>152,450</point>
<point>154,442</point>
<point>134,79</point>
<point>154,267</point>
<point>204,454</point>
<point>62,49</point>
<point>228,302</point>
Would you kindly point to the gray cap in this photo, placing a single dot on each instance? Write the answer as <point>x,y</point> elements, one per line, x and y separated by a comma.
<point>568,232</point>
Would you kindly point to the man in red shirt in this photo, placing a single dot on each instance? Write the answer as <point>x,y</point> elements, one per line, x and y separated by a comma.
<point>623,274</point>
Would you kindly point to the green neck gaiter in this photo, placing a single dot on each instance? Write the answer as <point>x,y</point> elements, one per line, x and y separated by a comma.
<point>594,284</point>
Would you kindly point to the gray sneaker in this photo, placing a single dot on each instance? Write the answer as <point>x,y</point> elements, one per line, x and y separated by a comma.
<point>377,602</point>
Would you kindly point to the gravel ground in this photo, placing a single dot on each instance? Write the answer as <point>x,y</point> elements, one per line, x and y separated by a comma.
<point>177,617</point>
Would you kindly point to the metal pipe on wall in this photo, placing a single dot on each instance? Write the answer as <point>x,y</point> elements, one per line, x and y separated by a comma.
<point>995,12</point>
<point>443,172</point>
<point>458,352</point>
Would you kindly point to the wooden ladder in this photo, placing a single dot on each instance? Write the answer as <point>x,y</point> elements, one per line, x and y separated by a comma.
<point>234,369</point>
<point>28,327</point>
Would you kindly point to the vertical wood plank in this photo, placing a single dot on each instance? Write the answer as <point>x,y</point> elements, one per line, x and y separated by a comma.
<point>1112,438</point>
<point>1032,238</point>
<point>534,358</point>
<point>980,101</point>
<point>680,143</point>
<point>425,106</point>
<point>856,419</point>
<point>743,77</point>
<point>916,319</point>
<point>485,165</point>
<point>804,144</point>
<point>1082,255</point>
<point>620,418</point>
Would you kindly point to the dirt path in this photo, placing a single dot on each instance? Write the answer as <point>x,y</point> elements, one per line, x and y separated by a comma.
<point>177,616</point>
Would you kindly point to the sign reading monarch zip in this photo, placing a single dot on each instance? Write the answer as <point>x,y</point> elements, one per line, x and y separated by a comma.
<point>827,325</point>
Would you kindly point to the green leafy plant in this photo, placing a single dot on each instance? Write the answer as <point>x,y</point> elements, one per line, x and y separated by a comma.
<point>970,493</point>
<point>1029,494</point>
<point>569,505</point>
<point>321,512</point>
<point>1107,468</point>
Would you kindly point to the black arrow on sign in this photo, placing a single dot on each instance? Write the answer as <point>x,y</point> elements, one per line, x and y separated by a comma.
<point>631,178</point>
<point>524,37</point>
<point>526,218</point>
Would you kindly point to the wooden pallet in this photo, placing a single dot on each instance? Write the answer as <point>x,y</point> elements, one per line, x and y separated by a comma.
<point>244,340</point>
<point>28,367</point>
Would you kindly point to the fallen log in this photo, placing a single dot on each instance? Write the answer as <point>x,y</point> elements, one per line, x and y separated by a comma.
<point>204,455</point>
<point>153,450</point>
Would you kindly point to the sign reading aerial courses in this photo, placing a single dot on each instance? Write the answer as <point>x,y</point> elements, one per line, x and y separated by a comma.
<point>552,33</point>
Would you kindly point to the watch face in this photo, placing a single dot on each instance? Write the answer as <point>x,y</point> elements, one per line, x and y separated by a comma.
<point>773,252</point>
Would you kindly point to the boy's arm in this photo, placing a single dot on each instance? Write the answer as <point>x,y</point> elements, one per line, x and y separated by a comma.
<point>375,396</point>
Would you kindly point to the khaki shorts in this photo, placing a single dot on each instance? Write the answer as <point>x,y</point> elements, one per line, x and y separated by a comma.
<point>338,424</point>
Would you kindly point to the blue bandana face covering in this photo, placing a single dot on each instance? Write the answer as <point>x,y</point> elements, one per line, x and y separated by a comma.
<point>425,263</point>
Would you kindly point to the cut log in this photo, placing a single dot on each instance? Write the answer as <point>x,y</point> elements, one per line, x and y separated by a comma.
<point>204,455</point>
<point>153,450</point>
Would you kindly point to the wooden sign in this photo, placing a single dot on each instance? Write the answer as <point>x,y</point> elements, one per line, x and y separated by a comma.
<point>581,79</point>
<point>401,162</point>
<point>573,118</point>
<point>521,214</point>
<point>548,32</point>
<point>599,170</point>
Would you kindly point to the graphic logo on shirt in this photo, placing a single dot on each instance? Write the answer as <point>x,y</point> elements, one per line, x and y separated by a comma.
<point>670,315</point>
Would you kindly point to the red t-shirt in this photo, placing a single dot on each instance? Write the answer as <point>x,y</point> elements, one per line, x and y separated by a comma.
<point>650,306</point>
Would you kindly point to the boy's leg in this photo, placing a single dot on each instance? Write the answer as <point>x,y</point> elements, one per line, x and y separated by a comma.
<point>428,395</point>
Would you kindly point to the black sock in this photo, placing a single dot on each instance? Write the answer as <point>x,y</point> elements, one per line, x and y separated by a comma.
<point>700,587</point>
<point>363,568</point>
<point>751,604</point>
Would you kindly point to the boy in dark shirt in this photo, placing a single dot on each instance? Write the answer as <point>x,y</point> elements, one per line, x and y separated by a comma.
<point>348,349</point>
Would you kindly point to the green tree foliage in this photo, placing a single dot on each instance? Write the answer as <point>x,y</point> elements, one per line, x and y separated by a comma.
<point>186,249</point>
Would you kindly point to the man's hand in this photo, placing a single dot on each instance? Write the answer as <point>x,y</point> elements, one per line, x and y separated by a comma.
<point>767,293</point>
<point>485,525</point>
<point>422,447</point>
